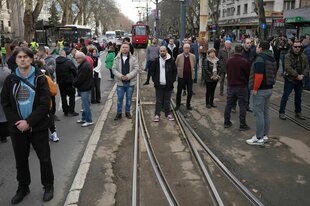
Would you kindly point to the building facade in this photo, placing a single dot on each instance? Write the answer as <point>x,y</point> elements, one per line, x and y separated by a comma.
<point>5,18</point>
<point>239,16</point>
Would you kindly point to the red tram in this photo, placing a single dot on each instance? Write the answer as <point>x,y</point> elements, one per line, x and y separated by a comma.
<point>140,35</point>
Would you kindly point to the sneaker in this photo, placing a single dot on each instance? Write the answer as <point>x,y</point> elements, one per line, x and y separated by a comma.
<point>48,193</point>
<point>170,117</point>
<point>244,127</point>
<point>156,118</point>
<point>255,141</point>
<point>300,116</point>
<point>212,105</point>
<point>228,124</point>
<point>233,110</point>
<point>128,115</point>
<point>19,196</point>
<point>209,106</point>
<point>54,137</point>
<point>86,124</point>
<point>265,138</point>
<point>80,121</point>
<point>282,116</point>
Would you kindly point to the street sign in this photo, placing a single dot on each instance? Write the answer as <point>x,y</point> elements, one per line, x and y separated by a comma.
<point>263,26</point>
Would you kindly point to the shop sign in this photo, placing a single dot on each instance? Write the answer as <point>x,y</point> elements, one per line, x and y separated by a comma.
<point>294,19</point>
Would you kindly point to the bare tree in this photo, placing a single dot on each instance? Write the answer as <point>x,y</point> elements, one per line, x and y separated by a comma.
<point>30,17</point>
<point>260,11</point>
<point>66,9</point>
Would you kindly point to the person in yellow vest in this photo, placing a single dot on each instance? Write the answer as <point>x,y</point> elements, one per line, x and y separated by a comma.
<point>34,45</point>
<point>3,54</point>
<point>61,43</point>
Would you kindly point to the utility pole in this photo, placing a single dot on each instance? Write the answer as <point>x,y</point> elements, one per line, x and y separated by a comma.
<point>156,21</point>
<point>147,12</point>
<point>203,24</point>
<point>182,20</point>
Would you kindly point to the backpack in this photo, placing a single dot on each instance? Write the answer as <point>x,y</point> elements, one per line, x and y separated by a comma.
<point>52,85</point>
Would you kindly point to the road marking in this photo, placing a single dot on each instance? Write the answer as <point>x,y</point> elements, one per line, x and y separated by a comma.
<point>80,177</point>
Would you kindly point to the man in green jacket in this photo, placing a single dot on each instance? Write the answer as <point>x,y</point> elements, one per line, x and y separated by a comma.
<point>296,68</point>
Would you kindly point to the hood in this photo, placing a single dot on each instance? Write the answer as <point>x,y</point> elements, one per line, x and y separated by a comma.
<point>214,60</point>
<point>61,60</point>
<point>268,54</point>
<point>168,57</point>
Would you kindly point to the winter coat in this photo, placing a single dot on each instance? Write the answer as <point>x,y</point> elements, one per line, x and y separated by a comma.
<point>210,65</point>
<point>223,56</point>
<point>4,72</point>
<point>65,70</point>
<point>170,72</point>
<point>109,59</point>
<point>238,70</point>
<point>39,118</point>
<point>180,64</point>
<point>133,69</point>
<point>295,64</point>
<point>173,51</point>
<point>84,80</point>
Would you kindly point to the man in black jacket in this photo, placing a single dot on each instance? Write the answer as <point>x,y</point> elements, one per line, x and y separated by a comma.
<point>84,83</point>
<point>65,73</point>
<point>25,99</point>
<point>164,73</point>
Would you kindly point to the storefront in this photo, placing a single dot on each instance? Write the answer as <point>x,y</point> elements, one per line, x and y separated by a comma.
<point>297,22</point>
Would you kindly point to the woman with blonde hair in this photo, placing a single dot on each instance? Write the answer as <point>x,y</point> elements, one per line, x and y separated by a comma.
<point>211,76</point>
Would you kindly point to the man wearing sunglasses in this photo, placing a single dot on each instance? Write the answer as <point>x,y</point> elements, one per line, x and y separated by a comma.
<point>296,68</point>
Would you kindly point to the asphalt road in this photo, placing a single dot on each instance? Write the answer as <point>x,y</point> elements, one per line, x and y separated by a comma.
<point>66,155</point>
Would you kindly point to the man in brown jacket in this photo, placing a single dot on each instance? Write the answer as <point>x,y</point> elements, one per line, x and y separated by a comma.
<point>185,63</point>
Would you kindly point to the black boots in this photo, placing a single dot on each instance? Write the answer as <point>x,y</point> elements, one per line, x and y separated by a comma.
<point>48,193</point>
<point>20,194</point>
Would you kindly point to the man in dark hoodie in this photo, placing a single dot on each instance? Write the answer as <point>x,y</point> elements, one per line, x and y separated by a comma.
<point>84,82</point>
<point>25,99</point>
<point>65,73</point>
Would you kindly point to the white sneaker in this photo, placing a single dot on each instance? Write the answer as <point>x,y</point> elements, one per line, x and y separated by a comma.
<point>86,124</point>
<point>156,118</point>
<point>80,121</point>
<point>170,117</point>
<point>255,141</point>
<point>54,137</point>
<point>265,138</point>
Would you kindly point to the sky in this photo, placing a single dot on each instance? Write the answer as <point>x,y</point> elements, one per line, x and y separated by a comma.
<point>128,7</point>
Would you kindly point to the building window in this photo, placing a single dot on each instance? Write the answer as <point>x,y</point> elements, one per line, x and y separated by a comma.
<point>223,13</point>
<point>289,4</point>
<point>245,11</point>
<point>238,10</point>
<point>1,26</point>
<point>9,23</point>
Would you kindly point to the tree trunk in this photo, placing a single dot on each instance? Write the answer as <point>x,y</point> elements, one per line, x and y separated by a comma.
<point>261,19</point>
<point>30,18</point>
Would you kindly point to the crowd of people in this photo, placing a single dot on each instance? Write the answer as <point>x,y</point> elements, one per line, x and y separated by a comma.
<point>249,70</point>
<point>35,73</point>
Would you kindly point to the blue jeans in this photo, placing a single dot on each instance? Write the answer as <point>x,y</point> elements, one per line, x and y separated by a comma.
<point>86,114</point>
<point>288,87</point>
<point>307,81</point>
<point>121,90</point>
<point>260,103</point>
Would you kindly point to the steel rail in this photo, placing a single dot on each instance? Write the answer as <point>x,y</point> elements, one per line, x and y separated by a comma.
<point>154,162</point>
<point>136,148</point>
<point>201,165</point>
<point>306,127</point>
<point>224,169</point>
<point>286,109</point>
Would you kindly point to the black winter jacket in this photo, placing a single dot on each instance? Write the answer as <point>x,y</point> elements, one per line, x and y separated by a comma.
<point>39,119</point>
<point>84,80</point>
<point>171,73</point>
<point>65,71</point>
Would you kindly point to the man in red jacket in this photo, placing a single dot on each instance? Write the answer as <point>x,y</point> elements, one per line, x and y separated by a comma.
<point>238,70</point>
